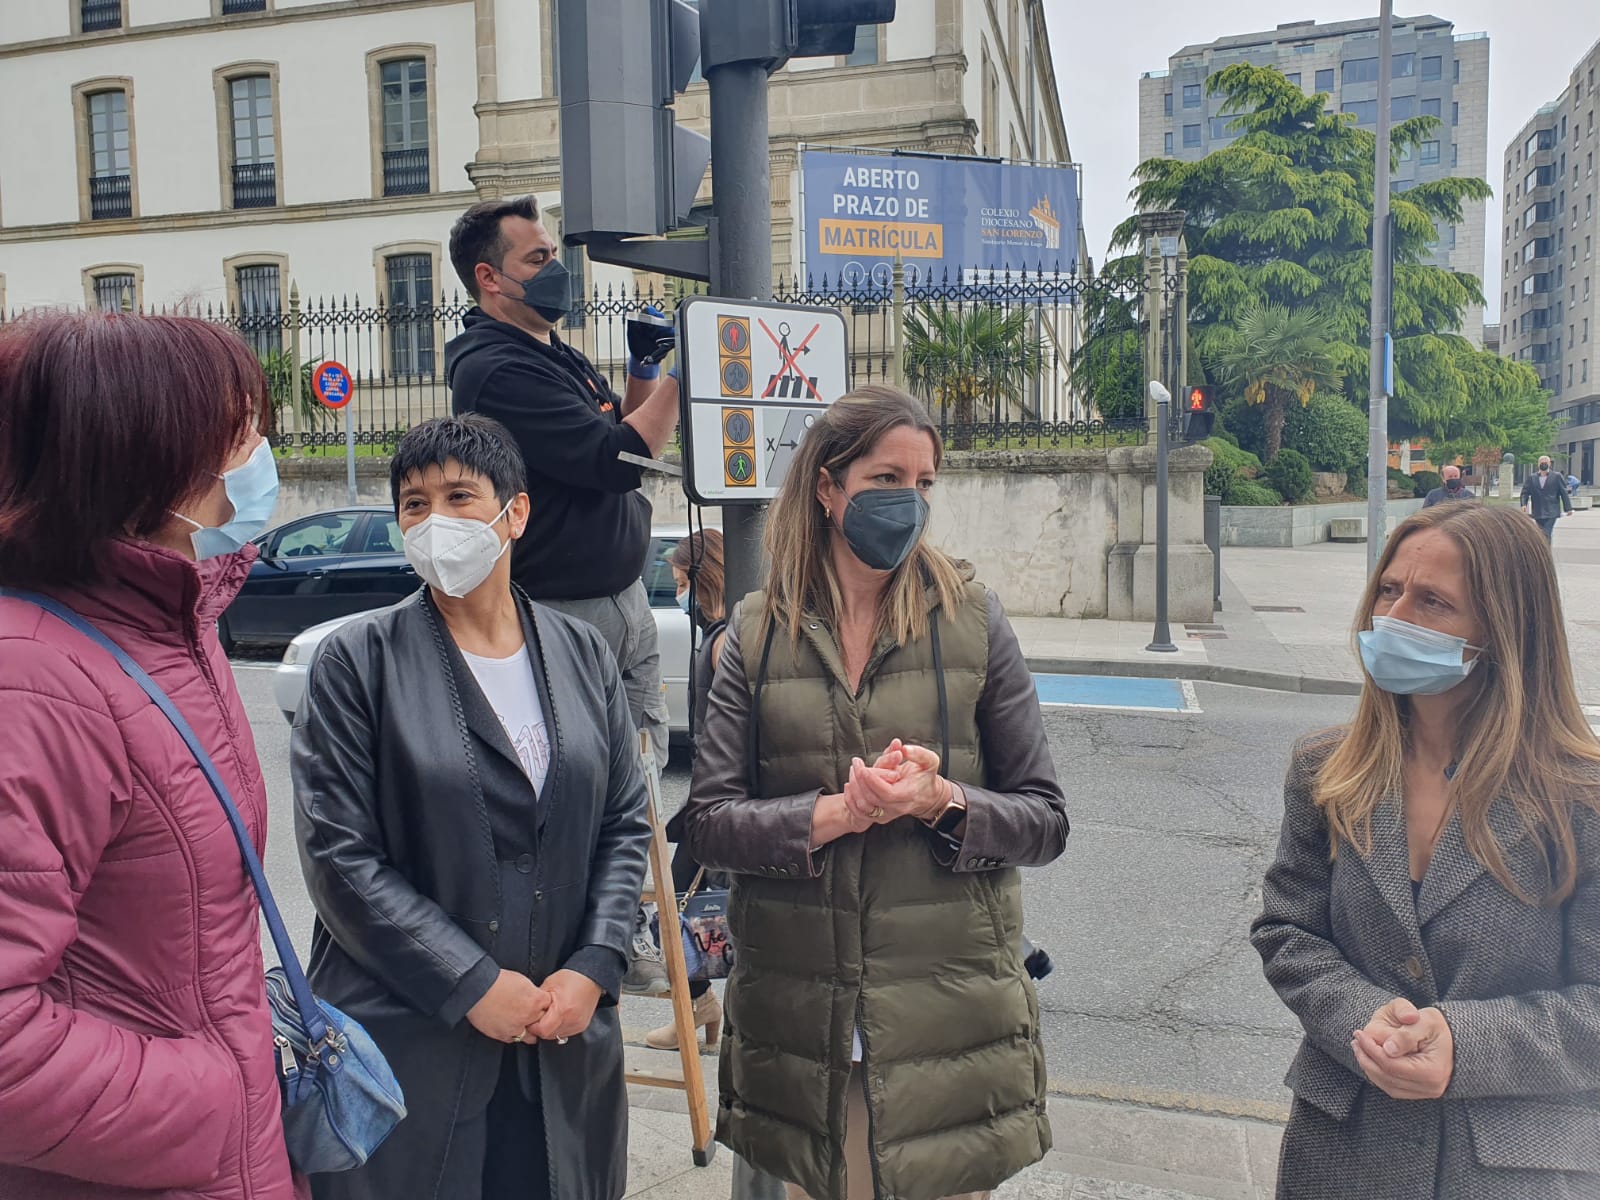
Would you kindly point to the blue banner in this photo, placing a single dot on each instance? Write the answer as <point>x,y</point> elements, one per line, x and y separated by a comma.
<point>959,218</point>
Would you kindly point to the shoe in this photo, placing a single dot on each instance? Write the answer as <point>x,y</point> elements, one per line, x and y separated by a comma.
<point>647,974</point>
<point>707,1013</point>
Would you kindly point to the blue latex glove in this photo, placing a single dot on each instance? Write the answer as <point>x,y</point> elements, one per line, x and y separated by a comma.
<point>647,369</point>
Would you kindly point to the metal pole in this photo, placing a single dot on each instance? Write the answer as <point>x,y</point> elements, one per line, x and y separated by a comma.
<point>296,396</point>
<point>1378,403</point>
<point>1162,641</point>
<point>741,181</point>
<point>897,367</point>
<point>1155,303</point>
<point>350,449</point>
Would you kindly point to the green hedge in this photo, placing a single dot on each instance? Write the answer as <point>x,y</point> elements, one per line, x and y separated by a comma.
<point>1290,476</point>
<point>1252,495</point>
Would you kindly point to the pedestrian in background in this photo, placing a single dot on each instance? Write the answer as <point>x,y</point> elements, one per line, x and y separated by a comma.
<point>470,811</point>
<point>1452,489</point>
<point>1433,913</point>
<point>872,771</point>
<point>1545,497</point>
<point>136,1052</point>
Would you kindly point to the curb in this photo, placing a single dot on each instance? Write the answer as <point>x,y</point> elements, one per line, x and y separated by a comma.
<point>1275,681</point>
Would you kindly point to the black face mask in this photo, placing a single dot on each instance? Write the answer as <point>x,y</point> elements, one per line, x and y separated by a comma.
<point>1453,485</point>
<point>549,293</point>
<point>883,525</point>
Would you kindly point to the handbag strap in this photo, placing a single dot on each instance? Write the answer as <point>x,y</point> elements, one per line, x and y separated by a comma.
<point>316,1025</point>
<point>683,900</point>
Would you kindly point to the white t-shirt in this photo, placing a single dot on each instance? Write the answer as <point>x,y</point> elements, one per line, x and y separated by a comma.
<point>508,684</point>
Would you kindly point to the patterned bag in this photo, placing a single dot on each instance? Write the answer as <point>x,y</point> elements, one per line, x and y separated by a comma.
<point>703,930</point>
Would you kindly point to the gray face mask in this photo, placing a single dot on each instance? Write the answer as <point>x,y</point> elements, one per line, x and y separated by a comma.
<point>883,525</point>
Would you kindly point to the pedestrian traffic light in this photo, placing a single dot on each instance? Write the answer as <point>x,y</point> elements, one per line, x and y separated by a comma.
<point>627,169</point>
<point>1199,414</point>
<point>821,28</point>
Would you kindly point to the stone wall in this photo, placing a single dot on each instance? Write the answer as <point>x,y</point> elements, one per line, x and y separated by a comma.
<point>1054,533</point>
<point>1300,524</point>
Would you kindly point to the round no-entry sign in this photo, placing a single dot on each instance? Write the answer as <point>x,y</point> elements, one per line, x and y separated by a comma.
<point>331,382</point>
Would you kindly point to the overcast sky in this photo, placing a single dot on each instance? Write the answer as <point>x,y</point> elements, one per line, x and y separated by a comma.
<point>1101,49</point>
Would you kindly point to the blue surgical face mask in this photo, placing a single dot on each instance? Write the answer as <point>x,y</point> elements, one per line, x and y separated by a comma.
<point>683,601</point>
<point>252,489</point>
<point>1410,660</point>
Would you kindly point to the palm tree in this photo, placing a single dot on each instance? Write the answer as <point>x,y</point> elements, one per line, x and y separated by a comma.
<point>1274,354</point>
<point>956,357</point>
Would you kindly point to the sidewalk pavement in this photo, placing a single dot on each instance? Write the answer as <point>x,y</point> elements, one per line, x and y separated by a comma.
<point>1286,617</point>
<point>1103,1150</point>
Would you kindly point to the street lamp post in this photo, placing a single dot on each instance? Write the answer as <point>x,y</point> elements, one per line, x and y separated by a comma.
<point>1381,364</point>
<point>1161,641</point>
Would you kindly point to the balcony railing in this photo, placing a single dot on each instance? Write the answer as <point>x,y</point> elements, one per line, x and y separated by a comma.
<point>100,14</point>
<point>229,7</point>
<point>405,172</point>
<point>110,196</point>
<point>255,185</point>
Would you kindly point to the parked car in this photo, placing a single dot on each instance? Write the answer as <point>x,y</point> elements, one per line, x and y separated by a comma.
<point>673,630</point>
<point>314,569</point>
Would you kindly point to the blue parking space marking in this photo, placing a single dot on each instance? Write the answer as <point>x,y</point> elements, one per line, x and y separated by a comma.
<point>1116,692</point>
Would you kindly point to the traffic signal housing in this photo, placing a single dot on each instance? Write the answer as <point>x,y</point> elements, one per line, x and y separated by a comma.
<point>822,28</point>
<point>627,169</point>
<point>1199,413</point>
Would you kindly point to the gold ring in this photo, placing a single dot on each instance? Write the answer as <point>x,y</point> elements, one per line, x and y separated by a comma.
<point>877,812</point>
<point>561,1041</point>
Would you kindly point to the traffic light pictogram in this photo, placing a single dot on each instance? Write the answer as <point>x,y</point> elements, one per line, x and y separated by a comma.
<point>1199,413</point>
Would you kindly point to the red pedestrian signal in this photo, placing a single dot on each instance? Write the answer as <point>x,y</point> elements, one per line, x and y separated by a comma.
<point>1200,413</point>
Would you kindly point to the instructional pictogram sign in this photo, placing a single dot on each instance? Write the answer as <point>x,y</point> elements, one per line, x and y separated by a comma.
<point>754,378</point>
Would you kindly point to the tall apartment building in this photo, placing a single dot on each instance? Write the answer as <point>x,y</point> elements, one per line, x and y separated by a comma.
<point>1550,308</point>
<point>211,151</point>
<point>1434,72</point>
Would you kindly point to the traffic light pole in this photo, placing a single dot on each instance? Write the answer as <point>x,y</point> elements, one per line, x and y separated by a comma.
<point>1161,641</point>
<point>742,263</point>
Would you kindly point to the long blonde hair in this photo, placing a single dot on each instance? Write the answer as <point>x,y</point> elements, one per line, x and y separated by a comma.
<point>1522,732</point>
<point>799,536</point>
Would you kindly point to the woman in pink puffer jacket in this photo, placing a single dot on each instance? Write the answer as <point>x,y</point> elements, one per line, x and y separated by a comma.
<point>136,1054</point>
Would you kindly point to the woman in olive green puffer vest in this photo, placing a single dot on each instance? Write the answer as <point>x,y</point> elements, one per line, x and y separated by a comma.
<point>873,771</point>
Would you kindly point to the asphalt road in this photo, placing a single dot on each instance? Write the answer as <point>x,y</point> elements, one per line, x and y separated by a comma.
<point>1157,995</point>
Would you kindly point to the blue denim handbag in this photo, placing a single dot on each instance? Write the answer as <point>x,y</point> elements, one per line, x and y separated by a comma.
<point>340,1099</point>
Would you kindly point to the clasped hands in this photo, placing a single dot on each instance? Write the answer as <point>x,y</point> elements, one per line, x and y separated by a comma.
<point>904,782</point>
<point>515,1009</point>
<point>1407,1052</point>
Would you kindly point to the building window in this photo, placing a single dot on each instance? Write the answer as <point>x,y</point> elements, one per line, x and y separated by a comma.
<point>115,291</point>
<point>1433,108</point>
<point>1455,112</point>
<point>1364,111</point>
<point>1166,104</point>
<point>1404,66</point>
<point>991,104</point>
<point>1325,80</point>
<point>1430,153</point>
<point>1432,68</point>
<point>405,127</point>
<point>1191,136</point>
<point>1293,77</point>
<point>1191,95</point>
<point>254,168</point>
<point>110,156</point>
<point>258,289</point>
<point>231,7</point>
<point>1167,142</point>
<point>866,52</point>
<point>1361,70</point>
<point>94,15</point>
<point>1450,236</point>
<point>1402,108</point>
<point>409,282</point>
<point>1456,69</point>
<point>1455,156</point>
<point>1220,131</point>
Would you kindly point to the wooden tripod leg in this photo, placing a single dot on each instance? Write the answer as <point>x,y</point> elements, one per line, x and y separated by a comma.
<point>666,898</point>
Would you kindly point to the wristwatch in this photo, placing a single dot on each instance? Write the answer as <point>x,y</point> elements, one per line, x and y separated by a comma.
<point>955,812</point>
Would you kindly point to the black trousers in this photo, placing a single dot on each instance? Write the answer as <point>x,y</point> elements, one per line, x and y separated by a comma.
<point>516,1164</point>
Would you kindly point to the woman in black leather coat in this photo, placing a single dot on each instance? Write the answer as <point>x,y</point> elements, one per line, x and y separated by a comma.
<point>470,811</point>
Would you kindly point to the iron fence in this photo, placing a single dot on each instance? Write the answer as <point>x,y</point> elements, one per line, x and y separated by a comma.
<point>255,184</point>
<point>1006,362</point>
<point>110,196</point>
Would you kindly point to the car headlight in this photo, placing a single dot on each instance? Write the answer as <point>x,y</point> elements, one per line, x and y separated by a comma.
<point>295,652</point>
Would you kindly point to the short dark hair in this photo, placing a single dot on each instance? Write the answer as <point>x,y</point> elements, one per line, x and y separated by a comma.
<point>480,444</point>
<point>108,423</point>
<point>475,237</point>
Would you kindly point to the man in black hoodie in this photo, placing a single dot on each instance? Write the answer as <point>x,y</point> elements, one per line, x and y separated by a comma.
<point>589,526</point>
